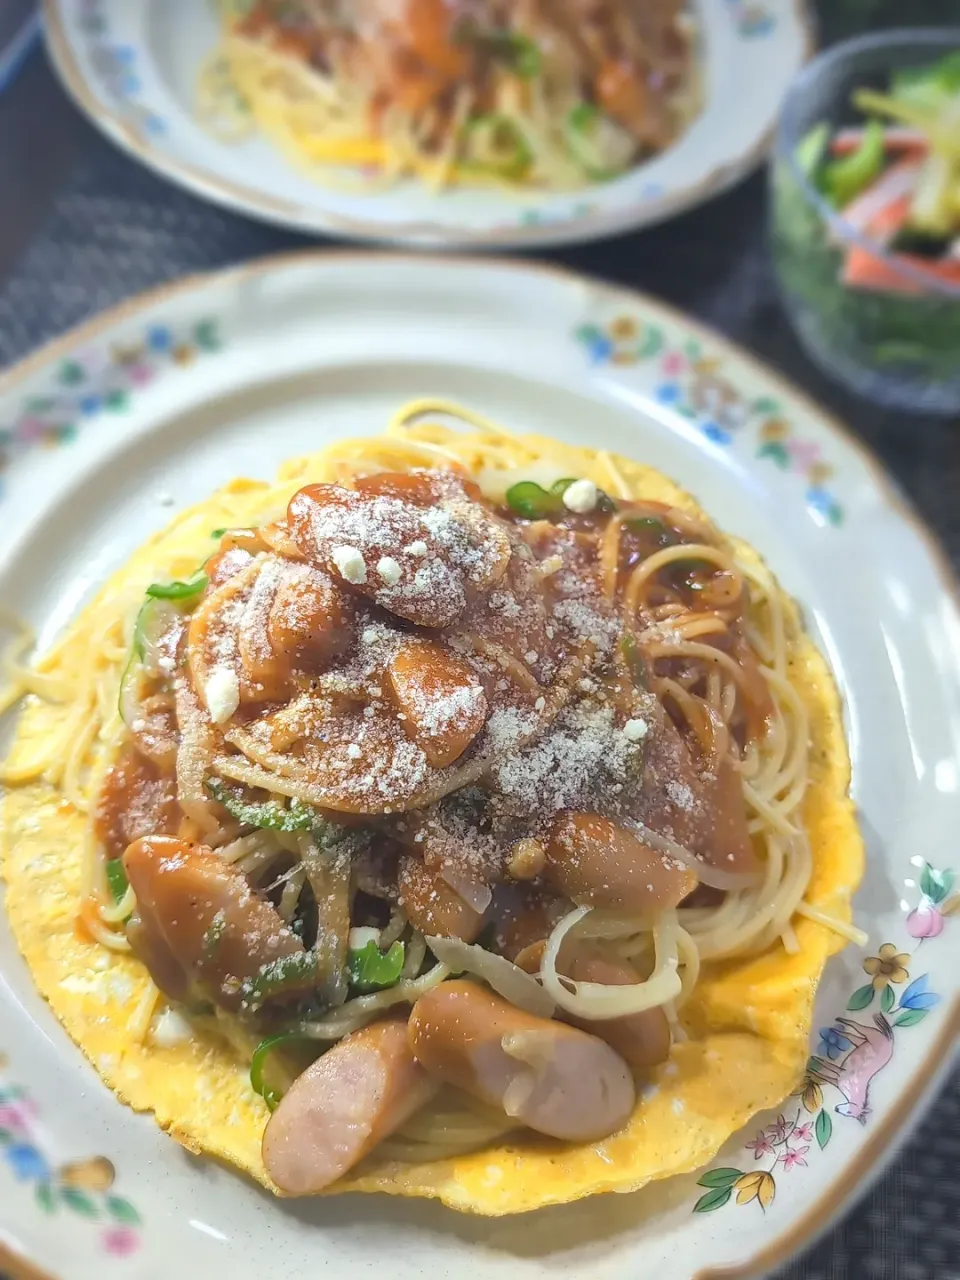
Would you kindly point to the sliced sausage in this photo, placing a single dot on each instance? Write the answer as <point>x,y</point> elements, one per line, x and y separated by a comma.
<point>381,548</point>
<point>441,702</point>
<point>643,1039</point>
<point>135,800</point>
<point>310,619</point>
<point>599,863</point>
<point>205,915</point>
<point>432,905</point>
<point>547,1075</point>
<point>226,564</point>
<point>730,847</point>
<point>356,1095</point>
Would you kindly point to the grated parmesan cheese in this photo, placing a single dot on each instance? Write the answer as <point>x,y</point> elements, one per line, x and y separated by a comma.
<point>351,564</point>
<point>222,694</point>
<point>581,496</point>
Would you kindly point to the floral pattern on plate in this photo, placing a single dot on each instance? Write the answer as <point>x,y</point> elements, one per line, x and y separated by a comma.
<point>100,380</point>
<point>692,381</point>
<point>850,1054</point>
<point>83,1187</point>
<point>116,66</point>
<point>752,19</point>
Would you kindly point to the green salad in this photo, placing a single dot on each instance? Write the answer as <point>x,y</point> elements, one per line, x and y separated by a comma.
<point>894,179</point>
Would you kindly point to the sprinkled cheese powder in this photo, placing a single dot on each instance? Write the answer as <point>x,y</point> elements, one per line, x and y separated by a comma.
<point>350,563</point>
<point>389,570</point>
<point>635,730</point>
<point>222,694</point>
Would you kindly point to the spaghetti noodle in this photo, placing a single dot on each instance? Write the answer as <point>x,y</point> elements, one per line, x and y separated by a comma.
<point>437,703</point>
<point>473,92</point>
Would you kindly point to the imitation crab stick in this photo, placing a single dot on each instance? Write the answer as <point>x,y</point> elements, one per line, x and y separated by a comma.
<point>865,270</point>
<point>897,182</point>
<point>903,140</point>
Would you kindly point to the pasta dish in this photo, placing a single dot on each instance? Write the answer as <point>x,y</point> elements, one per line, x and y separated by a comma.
<point>539,95</point>
<point>443,791</point>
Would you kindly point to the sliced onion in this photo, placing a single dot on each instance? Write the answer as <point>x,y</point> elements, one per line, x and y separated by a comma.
<point>506,979</point>
<point>495,482</point>
<point>728,881</point>
<point>195,756</point>
<point>598,1001</point>
<point>474,893</point>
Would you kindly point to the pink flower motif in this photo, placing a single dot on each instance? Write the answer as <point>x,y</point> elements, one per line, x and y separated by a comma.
<point>140,374</point>
<point>673,364</point>
<point>925,921</point>
<point>14,1116</point>
<point>120,1241</point>
<point>804,453</point>
<point>760,1146</point>
<point>802,1133</point>
<point>780,1131</point>
<point>30,429</point>
<point>792,1157</point>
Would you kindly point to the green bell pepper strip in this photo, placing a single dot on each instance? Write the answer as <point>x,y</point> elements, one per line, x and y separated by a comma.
<point>269,815</point>
<point>258,1065</point>
<point>842,180</point>
<point>117,881</point>
<point>505,151</point>
<point>371,969</point>
<point>178,590</point>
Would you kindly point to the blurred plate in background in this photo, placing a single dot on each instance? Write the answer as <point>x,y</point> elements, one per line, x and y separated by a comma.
<point>133,67</point>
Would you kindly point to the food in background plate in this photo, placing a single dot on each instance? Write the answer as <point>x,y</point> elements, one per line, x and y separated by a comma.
<point>522,95</point>
<point>880,263</point>
<point>468,802</point>
<point>899,183</point>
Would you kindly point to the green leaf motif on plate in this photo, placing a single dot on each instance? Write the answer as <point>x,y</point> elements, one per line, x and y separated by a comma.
<point>862,997</point>
<point>207,336</point>
<point>652,344</point>
<point>775,451</point>
<point>767,406</point>
<point>719,1177</point>
<point>78,1201</point>
<point>936,885</point>
<point>45,1198</point>
<point>715,1199</point>
<point>910,1018</point>
<point>122,1210</point>
<point>71,373</point>
<point>887,999</point>
<point>823,1129</point>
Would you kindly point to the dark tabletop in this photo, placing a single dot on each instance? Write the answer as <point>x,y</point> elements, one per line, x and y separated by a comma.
<point>82,226</point>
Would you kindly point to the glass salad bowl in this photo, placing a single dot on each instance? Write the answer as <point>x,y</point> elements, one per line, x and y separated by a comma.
<point>866,215</point>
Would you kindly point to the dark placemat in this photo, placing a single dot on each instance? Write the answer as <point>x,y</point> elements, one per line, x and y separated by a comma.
<point>85,227</point>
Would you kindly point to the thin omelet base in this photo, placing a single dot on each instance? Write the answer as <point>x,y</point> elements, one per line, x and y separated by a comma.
<point>750,1020</point>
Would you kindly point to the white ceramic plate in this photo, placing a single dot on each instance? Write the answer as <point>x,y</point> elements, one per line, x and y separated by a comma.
<point>154,405</point>
<point>132,66</point>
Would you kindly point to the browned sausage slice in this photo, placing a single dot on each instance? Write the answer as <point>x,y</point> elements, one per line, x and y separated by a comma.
<point>643,1039</point>
<point>442,702</point>
<point>599,863</point>
<point>432,905</point>
<point>545,1074</point>
<point>353,1097</point>
<point>220,932</point>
